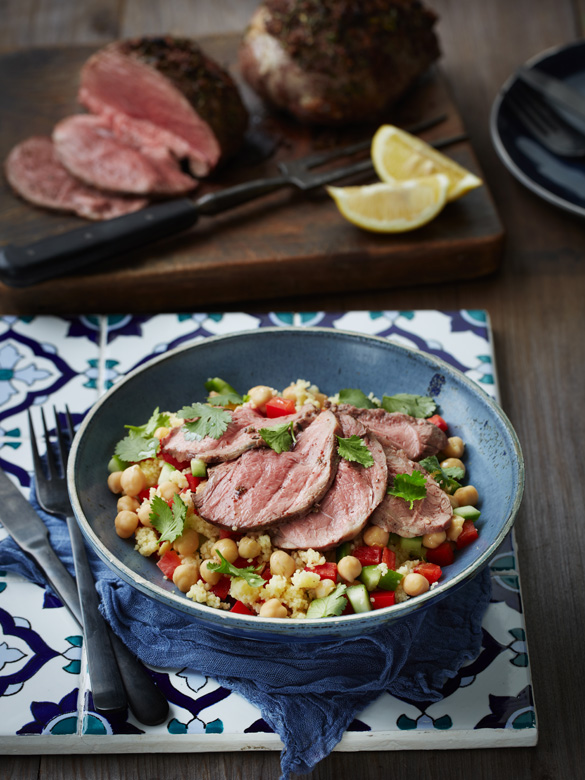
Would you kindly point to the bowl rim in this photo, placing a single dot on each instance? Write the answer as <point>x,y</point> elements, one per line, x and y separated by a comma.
<point>249,622</point>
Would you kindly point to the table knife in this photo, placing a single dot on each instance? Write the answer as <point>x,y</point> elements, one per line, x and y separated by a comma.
<point>554,90</point>
<point>31,534</point>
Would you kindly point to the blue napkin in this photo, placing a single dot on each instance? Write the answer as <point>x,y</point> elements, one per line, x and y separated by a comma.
<point>308,693</point>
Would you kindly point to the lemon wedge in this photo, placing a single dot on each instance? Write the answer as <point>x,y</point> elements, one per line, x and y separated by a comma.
<point>395,207</point>
<point>399,156</point>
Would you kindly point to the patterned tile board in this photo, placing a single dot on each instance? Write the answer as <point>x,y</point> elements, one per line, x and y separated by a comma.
<point>45,698</point>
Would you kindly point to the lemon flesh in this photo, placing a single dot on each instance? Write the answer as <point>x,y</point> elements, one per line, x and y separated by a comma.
<point>399,156</point>
<point>392,207</point>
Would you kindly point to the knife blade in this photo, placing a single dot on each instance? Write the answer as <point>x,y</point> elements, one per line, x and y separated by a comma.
<point>32,535</point>
<point>554,90</point>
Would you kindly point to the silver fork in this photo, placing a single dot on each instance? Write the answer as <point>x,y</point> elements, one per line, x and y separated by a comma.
<point>117,677</point>
<point>544,123</point>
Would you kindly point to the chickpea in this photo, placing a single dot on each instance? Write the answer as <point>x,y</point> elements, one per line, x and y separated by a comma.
<point>376,537</point>
<point>248,547</point>
<point>127,502</point>
<point>282,563</point>
<point>454,502</point>
<point>164,548</point>
<point>143,513</point>
<point>167,490</point>
<point>324,588</point>
<point>259,395</point>
<point>467,496</point>
<point>414,584</point>
<point>187,543</point>
<point>161,433</point>
<point>349,568</point>
<point>207,574</point>
<point>133,480</point>
<point>114,481</point>
<point>430,541</point>
<point>228,548</point>
<point>126,523</point>
<point>291,393</point>
<point>185,576</point>
<point>455,447</point>
<point>320,398</point>
<point>453,463</point>
<point>273,608</point>
<point>454,530</point>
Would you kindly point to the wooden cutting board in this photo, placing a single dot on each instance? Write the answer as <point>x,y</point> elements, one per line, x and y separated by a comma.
<point>284,244</point>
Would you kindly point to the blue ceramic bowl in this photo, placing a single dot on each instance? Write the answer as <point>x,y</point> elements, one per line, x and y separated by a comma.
<point>331,359</point>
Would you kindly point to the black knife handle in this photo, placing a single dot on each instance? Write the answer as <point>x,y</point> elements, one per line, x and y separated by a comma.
<point>68,252</point>
<point>146,700</point>
<point>107,687</point>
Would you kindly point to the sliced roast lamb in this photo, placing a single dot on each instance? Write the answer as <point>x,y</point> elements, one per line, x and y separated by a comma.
<point>262,488</point>
<point>340,61</point>
<point>89,149</point>
<point>164,92</point>
<point>242,434</point>
<point>418,437</point>
<point>429,515</point>
<point>35,173</point>
<point>343,512</point>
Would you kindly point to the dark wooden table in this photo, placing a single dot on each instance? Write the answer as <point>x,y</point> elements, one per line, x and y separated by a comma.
<point>537,307</point>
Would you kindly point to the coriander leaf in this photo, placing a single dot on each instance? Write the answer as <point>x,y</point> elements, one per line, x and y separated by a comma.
<point>414,405</point>
<point>169,521</point>
<point>204,420</point>
<point>280,438</point>
<point>157,420</point>
<point>355,397</point>
<point>330,605</point>
<point>410,487</point>
<point>223,399</point>
<point>448,479</point>
<point>135,447</point>
<point>355,449</point>
<point>249,573</point>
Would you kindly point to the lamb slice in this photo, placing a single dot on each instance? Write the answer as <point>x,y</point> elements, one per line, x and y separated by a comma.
<point>180,97</point>
<point>242,434</point>
<point>428,515</point>
<point>418,437</point>
<point>263,488</point>
<point>34,172</point>
<point>343,512</point>
<point>88,148</point>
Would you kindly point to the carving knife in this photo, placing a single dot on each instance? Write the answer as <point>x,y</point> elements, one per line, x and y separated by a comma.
<point>554,90</point>
<point>31,534</point>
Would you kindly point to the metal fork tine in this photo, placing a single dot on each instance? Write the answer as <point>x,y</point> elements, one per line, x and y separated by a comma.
<point>51,461</point>
<point>37,463</point>
<point>63,447</point>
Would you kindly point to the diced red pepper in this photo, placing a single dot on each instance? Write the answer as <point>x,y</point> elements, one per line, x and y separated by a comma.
<point>437,420</point>
<point>241,609</point>
<point>382,598</point>
<point>467,536</point>
<point>168,563</point>
<point>442,555</point>
<point>223,587</point>
<point>389,558</point>
<point>193,481</point>
<point>178,464</point>
<point>368,556</point>
<point>243,563</point>
<point>266,574</point>
<point>225,533</point>
<point>144,495</point>
<point>280,407</point>
<point>349,610</point>
<point>430,571</point>
<point>327,571</point>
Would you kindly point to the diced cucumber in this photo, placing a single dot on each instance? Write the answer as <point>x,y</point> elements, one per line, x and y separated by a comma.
<point>359,598</point>
<point>117,464</point>
<point>343,550</point>
<point>198,468</point>
<point>467,512</point>
<point>165,473</point>
<point>390,580</point>
<point>215,384</point>
<point>394,539</point>
<point>370,576</point>
<point>413,547</point>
